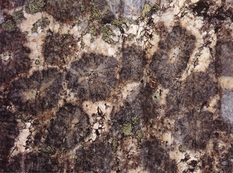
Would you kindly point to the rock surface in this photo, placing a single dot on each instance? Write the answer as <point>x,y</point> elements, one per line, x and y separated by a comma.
<point>116,86</point>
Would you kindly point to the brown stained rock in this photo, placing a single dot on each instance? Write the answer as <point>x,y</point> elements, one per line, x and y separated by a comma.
<point>58,48</point>
<point>96,157</point>
<point>9,131</point>
<point>14,56</point>
<point>155,158</point>
<point>38,93</point>
<point>173,107</point>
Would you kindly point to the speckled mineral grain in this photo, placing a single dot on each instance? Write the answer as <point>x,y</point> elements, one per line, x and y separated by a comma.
<point>116,86</point>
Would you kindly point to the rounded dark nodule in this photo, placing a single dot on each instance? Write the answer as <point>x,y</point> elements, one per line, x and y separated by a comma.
<point>165,71</point>
<point>43,88</point>
<point>62,128</point>
<point>92,77</point>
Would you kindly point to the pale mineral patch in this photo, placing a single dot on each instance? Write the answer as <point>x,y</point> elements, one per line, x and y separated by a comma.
<point>21,140</point>
<point>203,60</point>
<point>226,82</point>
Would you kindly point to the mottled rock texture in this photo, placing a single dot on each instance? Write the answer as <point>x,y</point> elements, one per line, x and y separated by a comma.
<point>116,86</point>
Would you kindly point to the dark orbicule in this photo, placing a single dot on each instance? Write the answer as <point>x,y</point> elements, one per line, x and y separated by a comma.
<point>224,58</point>
<point>92,77</point>
<point>9,4</point>
<point>57,48</point>
<point>197,128</point>
<point>213,12</point>
<point>195,91</point>
<point>64,10</point>
<point>175,99</point>
<point>37,162</point>
<point>199,88</point>
<point>130,117</point>
<point>14,58</point>
<point>133,62</point>
<point>38,93</point>
<point>183,39</point>
<point>127,120</point>
<point>149,104</point>
<point>15,164</point>
<point>201,8</point>
<point>69,128</point>
<point>128,111</point>
<point>33,162</point>
<point>9,131</point>
<point>155,158</point>
<point>172,56</point>
<point>207,163</point>
<point>96,157</point>
<point>35,6</point>
<point>67,11</point>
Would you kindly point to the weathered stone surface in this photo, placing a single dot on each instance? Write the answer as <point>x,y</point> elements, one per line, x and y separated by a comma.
<point>116,86</point>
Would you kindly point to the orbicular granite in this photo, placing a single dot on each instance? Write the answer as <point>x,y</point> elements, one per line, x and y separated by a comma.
<point>116,86</point>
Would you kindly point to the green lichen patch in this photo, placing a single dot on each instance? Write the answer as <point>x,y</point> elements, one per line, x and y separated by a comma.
<point>82,44</point>
<point>107,33</point>
<point>18,116</point>
<point>48,150</point>
<point>92,30</point>
<point>131,36</point>
<point>108,40</point>
<point>146,10</point>
<point>25,33</point>
<point>37,62</point>
<point>42,23</point>
<point>139,134</point>
<point>107,30</point>
<point>34,29</point>
<point>35,6</point>
<point>132,22</point>
<point>18,16</point>
<point>95,14</point>
<point>92,39</point>
<point>114,145</point>
<point>84,33</point>
<point>82,7</point>
<point>120,23</point>
<point>117,161</point>
<point>78,21</point>
<point>9,26</point>
<point>36,122</point>
<point>127,129</point>
<point>182,148</point>
<point>156,6</point>
<point>135,120</point>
